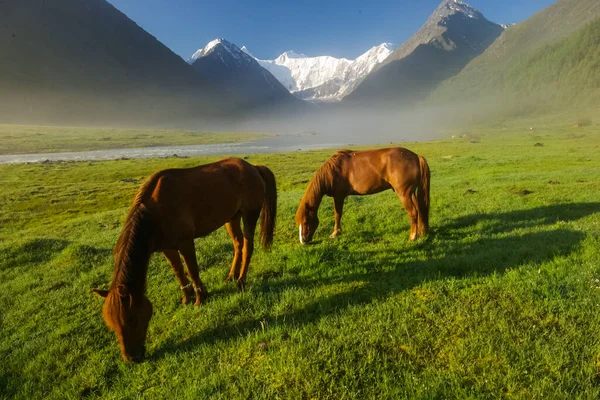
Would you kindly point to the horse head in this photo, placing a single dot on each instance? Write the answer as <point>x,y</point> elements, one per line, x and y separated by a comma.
<point>129,316</point>
<point>307,220</point>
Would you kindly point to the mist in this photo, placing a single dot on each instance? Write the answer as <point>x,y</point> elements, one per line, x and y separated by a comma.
<point>334,125</point>
<point>310,126</point>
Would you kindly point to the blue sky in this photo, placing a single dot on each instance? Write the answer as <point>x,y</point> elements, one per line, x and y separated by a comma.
<point>341,28</point>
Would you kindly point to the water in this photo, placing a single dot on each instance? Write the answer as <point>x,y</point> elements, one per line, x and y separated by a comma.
<point>267,145</point>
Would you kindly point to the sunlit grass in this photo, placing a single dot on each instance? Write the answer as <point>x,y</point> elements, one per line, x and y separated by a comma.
<point>501,301</point>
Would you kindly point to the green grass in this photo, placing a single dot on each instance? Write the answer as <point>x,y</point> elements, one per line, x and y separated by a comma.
<point>502,300</point>
<point>24,139</point>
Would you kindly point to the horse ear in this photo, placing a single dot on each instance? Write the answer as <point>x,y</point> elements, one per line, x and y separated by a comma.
<point>100,292</point>
<point>122,291</point>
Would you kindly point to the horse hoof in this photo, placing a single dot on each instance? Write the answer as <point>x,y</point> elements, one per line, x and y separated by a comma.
<point>241,286</point>
<point>199,301</point>
<point>201,297</point>
<point>188,295</point>
<point>334,235</point>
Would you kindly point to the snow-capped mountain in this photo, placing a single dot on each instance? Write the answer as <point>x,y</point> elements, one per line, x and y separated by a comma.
<point>226,65</point>
<point>298,72</point>
<point>324,78</point>
<point>226,50</point>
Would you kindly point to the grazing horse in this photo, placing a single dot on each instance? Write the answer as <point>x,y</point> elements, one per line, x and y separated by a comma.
<point>368,172</point>
<point>170,209</point>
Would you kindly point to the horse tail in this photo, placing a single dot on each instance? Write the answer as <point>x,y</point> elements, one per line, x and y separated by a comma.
<point>268,211</point>
<point>423,192</point>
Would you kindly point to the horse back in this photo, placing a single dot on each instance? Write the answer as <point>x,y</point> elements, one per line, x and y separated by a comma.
<point>373,171</point>
<point>196,201</point>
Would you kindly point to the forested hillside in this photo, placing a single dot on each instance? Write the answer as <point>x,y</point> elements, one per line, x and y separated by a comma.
<point>547,64</point>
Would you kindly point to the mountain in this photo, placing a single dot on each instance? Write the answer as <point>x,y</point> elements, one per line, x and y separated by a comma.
<point>81,61</point>
<point>452,36</point>
<point>544,63</point>
<point>227,66</point>
<point>305,72</point>
<point>324,78</point>
<point>337,88</point>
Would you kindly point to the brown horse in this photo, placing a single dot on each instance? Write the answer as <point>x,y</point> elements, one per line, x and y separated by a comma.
<point>170,209</point>
<point>368,172</point>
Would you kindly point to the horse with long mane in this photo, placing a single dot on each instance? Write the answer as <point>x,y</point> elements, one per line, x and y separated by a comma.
<point>170,210</point>
<point>367,172</point>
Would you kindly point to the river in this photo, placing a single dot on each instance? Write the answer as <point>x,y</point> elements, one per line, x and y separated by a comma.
<point>266,145</point>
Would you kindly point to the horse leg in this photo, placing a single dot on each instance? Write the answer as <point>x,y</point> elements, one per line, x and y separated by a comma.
<point>173,258</point>
<point>250,220</point>
<point>338,205</point>
<point>422,225</point>
<point>188,251</point>
<point>413,214</point>
<point>234,229</point>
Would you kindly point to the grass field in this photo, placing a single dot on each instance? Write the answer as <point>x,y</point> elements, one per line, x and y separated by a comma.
<point>502,300</point>
<point>24,139</point>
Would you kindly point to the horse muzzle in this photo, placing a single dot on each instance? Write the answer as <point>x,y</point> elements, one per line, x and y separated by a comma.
<point>137,357</point>
<point>303,239</point>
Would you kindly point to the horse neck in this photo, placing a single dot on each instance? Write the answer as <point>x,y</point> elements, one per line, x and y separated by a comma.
<point>133,255</point>
<point>315,192</point>
<point>132,273</point>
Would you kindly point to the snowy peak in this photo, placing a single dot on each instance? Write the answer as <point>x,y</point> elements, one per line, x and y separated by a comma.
<point>386,46</point>
<point>291,54</point>
<point>377,54</point>
<point>324,77</point>
<point>298,71</point>
<point>245,50</point>
<point>233,69</point>
<point>211,46</point>
<point>224,49</point>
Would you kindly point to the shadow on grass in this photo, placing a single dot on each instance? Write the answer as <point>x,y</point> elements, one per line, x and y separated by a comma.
<point>10,383</point>
<point>506,222</point>
<point>32,252</point>
<point>382,274</point>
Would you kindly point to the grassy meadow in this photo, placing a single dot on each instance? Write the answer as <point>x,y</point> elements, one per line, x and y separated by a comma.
<point>25,139</point>
<point>501,301</point>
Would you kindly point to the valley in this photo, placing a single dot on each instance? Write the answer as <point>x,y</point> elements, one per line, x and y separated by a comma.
<point>500,298</point>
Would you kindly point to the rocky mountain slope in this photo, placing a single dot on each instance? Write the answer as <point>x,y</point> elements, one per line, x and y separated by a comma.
<point>227,66</point>
<point>452,36</point>
<point>73,61</point>
<point>521,71</point>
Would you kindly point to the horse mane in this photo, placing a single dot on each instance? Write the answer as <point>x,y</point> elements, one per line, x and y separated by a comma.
<point>132,251</point>
<point>324,179</point>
